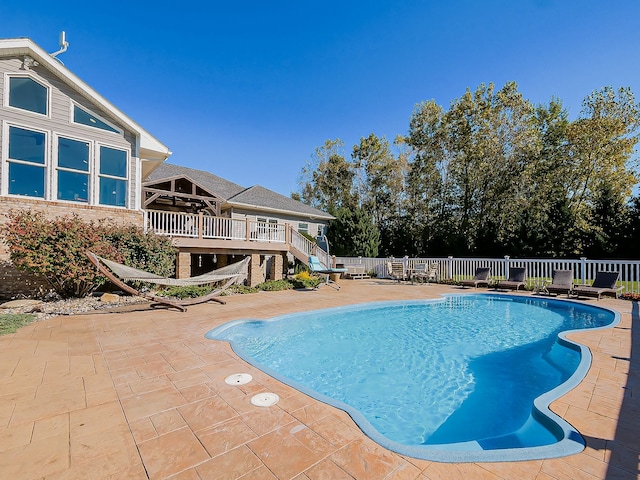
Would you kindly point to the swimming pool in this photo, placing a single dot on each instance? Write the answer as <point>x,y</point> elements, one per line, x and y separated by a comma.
<point>453,379</point>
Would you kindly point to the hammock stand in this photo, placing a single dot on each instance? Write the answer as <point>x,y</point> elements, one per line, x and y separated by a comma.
<point>116,273</point>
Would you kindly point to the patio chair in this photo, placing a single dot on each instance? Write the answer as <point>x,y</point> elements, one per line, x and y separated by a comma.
<point>517,278</point>
<point>604,284</point>
<point>316,267</point>
<point>396,271</point>
<point>118,274</point>
<point>561,282</point>
<point>426,273</point>
<point>481,277</point>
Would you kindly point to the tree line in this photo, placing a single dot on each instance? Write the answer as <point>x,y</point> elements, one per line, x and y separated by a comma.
<point>492,175</point>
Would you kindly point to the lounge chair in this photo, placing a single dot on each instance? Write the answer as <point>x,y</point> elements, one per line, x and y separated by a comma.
<point>118,273</point>
<point>481,277</point>
<point>517,278</point>
<point>604,284</point>
<point>396,271</point>
<point>561,282</point>
<point>316,267</point>
<point>426,273</point>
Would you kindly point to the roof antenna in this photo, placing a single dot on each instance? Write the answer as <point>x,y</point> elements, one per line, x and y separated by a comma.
<point>63,46</point>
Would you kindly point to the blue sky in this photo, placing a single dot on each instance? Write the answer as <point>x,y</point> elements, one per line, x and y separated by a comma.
<point>247,90</point>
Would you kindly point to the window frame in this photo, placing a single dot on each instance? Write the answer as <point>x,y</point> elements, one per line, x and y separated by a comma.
<point>98,176</point>
<point>56,168</point>
<point>7,97</point>
<point>73,105</point>
<point>7,161</point>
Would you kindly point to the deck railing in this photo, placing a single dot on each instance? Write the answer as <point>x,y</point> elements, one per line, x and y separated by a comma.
<point>176,224</point>
<point>539,270</point>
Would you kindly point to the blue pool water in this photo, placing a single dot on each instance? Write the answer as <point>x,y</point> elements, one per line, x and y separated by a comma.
<point>458,375</point>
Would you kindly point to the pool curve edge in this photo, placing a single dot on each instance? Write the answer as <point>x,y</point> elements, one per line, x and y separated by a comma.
<point>570,440</point>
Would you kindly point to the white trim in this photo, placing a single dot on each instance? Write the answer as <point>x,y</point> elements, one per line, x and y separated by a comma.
<point>55,168</point>
<point>98,175</point>
<point>260,208</point>
<point>17,47</point>
<point>6,160</point>
<point>7,93</point>
<point>74,104</point>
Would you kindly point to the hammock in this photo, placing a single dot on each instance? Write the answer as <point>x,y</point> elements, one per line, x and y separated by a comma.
<point>117,273</point>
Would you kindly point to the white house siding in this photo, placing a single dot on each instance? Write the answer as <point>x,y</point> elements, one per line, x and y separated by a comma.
<point>59,121</point>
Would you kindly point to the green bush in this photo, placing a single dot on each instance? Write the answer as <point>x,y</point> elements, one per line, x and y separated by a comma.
<point>145,251</point>
<point>241,289</point>
<point>275,285</point>
<point>54,249</point>
<point>191,291</point>
<point>305,280</point>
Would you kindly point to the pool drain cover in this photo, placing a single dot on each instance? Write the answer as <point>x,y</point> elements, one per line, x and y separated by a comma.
<point>265,399</point>
<point>238,379</point>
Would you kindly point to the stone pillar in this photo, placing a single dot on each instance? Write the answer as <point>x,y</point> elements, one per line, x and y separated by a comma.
<point>256,273</point>
<point>183,265</point>
<point>276,267</point>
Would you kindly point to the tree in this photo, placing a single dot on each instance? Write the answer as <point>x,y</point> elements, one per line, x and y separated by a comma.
<point>353,233</point>
<point>379,182</point>
<point>327,180</point>
<point>604,171</point>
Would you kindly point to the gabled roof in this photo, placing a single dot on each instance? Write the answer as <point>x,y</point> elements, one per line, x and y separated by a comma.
<point>266,199</point>
<point>254,198</point>
<point>210,182</point>
<point>150,148</point>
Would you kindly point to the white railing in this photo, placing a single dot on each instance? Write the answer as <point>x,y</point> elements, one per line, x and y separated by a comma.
<point>176,224</point>
<point>306,246</point>
<point>267,232</point>
<point>171,223</point>
<point>223,228</point>
<point>538,270</point>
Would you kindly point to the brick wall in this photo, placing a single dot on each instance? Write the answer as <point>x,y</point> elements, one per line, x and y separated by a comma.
<point>14,283</point>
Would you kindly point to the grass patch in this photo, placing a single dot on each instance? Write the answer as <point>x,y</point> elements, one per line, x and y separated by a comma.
<point>10,322</point>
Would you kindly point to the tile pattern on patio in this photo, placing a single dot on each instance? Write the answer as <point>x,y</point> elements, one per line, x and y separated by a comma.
<point>142,395</point>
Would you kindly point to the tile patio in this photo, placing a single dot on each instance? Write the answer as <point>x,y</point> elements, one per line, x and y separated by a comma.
<point>141,395</point>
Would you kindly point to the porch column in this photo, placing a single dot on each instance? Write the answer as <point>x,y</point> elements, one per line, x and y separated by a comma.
<point>277,266</point>
<point>256,272</point>
<point>183,265</point>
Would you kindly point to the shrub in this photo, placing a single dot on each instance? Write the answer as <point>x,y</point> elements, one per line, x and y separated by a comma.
<point>146,251</point>
<point>55,249</point>
<point>275,285</point>
<point>241,289</point>
<point>305,280</point>
<point>191,291</point>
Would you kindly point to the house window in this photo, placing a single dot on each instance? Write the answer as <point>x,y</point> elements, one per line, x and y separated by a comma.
<point>26,162</point>
<point>27,94</point>
<point>73,170</point>
<point>303,228</point>
<point>113,177</point>
<point>83,117</point>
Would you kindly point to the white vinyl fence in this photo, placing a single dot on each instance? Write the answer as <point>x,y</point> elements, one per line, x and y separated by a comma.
<point>538,270</point>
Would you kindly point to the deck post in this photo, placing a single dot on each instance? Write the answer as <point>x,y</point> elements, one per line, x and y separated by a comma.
<point>200,224</point>
<point>583,270</point>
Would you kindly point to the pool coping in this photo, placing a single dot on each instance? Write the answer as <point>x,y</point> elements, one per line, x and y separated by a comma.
<point>570,440</point>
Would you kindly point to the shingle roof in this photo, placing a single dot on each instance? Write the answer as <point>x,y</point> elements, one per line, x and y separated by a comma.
<point>212,183</point>
<point>256,197</point>
<point>262,197</point>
